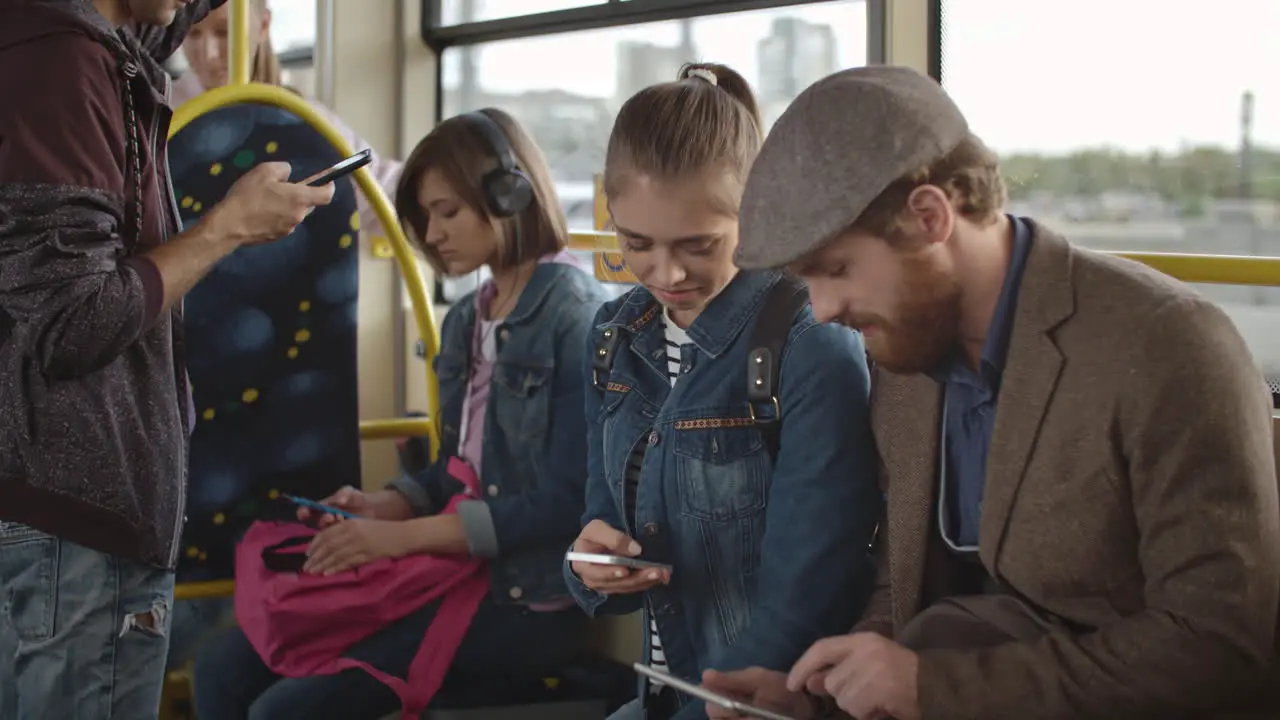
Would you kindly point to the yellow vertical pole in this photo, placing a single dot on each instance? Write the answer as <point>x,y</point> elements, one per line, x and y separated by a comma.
<point>238,42</point>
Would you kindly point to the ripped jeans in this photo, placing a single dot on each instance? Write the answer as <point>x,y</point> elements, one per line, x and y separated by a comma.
<point>60,601</point>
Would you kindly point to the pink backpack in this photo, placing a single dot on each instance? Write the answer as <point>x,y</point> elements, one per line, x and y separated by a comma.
<point>301,624</point>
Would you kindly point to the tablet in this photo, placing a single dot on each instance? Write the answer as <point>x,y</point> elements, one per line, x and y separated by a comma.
<point>704,694</point>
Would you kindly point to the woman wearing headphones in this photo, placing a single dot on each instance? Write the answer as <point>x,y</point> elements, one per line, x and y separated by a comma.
<point>476,191</point>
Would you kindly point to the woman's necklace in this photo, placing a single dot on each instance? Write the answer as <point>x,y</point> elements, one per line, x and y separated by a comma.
<point>497,312</point>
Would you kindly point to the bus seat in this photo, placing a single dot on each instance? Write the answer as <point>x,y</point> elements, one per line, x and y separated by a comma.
<point>566,710</point>
<point>271,340</point>
<point>596,682</point>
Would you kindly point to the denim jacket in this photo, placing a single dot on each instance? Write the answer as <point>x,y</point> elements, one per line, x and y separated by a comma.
<point>534,457</point>
<point>766,560</point>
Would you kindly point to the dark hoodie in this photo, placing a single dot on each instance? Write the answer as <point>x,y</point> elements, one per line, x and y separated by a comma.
<point>94,404</point>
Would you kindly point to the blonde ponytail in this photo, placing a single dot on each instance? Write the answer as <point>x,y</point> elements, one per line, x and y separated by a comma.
<point>266,66</point>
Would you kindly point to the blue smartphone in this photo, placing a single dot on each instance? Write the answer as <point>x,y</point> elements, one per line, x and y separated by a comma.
<point>313,505</point>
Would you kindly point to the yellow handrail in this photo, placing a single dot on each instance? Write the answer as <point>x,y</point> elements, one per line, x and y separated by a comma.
<point>397,428</point>
<point>257,93</point>
<point>238,43</point>
<point>1219,269</point>
<point>206,589</point>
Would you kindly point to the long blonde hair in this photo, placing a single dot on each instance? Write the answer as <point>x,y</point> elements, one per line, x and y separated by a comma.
<point>266,66</point>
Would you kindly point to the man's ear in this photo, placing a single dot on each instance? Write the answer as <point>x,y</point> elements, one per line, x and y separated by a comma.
<point>931,212</point>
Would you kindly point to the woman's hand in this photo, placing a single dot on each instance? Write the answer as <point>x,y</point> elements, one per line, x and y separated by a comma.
<point>598,537</point>
<point>382,505</point>
<point>352,543</point>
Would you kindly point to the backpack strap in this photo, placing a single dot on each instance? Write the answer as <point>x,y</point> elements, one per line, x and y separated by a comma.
<point>786,299</point>
<point>607,341</point>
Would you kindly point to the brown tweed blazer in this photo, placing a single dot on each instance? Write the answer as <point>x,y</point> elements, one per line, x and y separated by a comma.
<point>1131,488</point>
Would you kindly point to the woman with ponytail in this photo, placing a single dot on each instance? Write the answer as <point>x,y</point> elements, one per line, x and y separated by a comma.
<point>763,510</point>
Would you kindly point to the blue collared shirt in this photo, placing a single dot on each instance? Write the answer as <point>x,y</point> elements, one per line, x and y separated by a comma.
<point>971,404</point>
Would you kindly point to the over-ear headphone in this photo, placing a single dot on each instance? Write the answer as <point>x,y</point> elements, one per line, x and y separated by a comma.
<point>507,190</point>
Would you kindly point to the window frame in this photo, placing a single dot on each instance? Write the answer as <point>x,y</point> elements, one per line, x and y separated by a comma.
<point>603,14</point>
<point>934,39</point>
<point>611,14</point>
<point>616,13</point>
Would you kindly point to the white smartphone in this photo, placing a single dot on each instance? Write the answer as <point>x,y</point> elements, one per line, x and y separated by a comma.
<point>620,560</point>
<point>702,693</point>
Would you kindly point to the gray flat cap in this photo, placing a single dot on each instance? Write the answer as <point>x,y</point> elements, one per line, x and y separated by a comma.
<point>835,149</point>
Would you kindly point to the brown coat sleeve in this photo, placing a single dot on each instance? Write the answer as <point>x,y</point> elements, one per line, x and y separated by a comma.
<point>1195,429</point>
<point>877,617</point>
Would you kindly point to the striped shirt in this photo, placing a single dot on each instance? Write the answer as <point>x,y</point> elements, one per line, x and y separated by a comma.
<point>675,337</point>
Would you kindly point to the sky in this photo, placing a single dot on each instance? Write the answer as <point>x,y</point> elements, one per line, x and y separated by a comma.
<point>1031,75</point>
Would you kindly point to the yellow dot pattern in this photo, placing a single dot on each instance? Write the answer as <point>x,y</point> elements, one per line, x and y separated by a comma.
<point>193,551</point>
<point>251,395</point>
<point>302,335</point>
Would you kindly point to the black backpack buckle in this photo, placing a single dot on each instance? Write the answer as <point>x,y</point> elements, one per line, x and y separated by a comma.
<point>761,368</point>
<point>602,360</point>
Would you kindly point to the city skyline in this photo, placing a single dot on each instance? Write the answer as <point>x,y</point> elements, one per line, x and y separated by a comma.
<point>1047,77</point>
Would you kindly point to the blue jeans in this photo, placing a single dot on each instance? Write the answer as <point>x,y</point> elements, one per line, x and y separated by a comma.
<point>60,601</point>
<point>633,710</point>
<point>503,644</point>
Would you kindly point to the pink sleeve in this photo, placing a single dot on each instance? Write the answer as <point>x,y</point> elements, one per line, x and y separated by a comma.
<point>184,88</point>
<point>386,172</point>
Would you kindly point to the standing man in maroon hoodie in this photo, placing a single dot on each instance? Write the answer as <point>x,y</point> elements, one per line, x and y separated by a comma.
<point>94,404</point>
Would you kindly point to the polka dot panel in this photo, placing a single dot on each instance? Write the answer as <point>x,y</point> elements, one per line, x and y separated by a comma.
<point>271,340</point>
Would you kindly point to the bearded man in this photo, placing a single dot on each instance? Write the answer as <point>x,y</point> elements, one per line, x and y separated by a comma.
<point>1082,516</point>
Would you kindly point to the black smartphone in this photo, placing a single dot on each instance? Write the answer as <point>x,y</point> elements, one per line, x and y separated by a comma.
<point>343,167</point>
